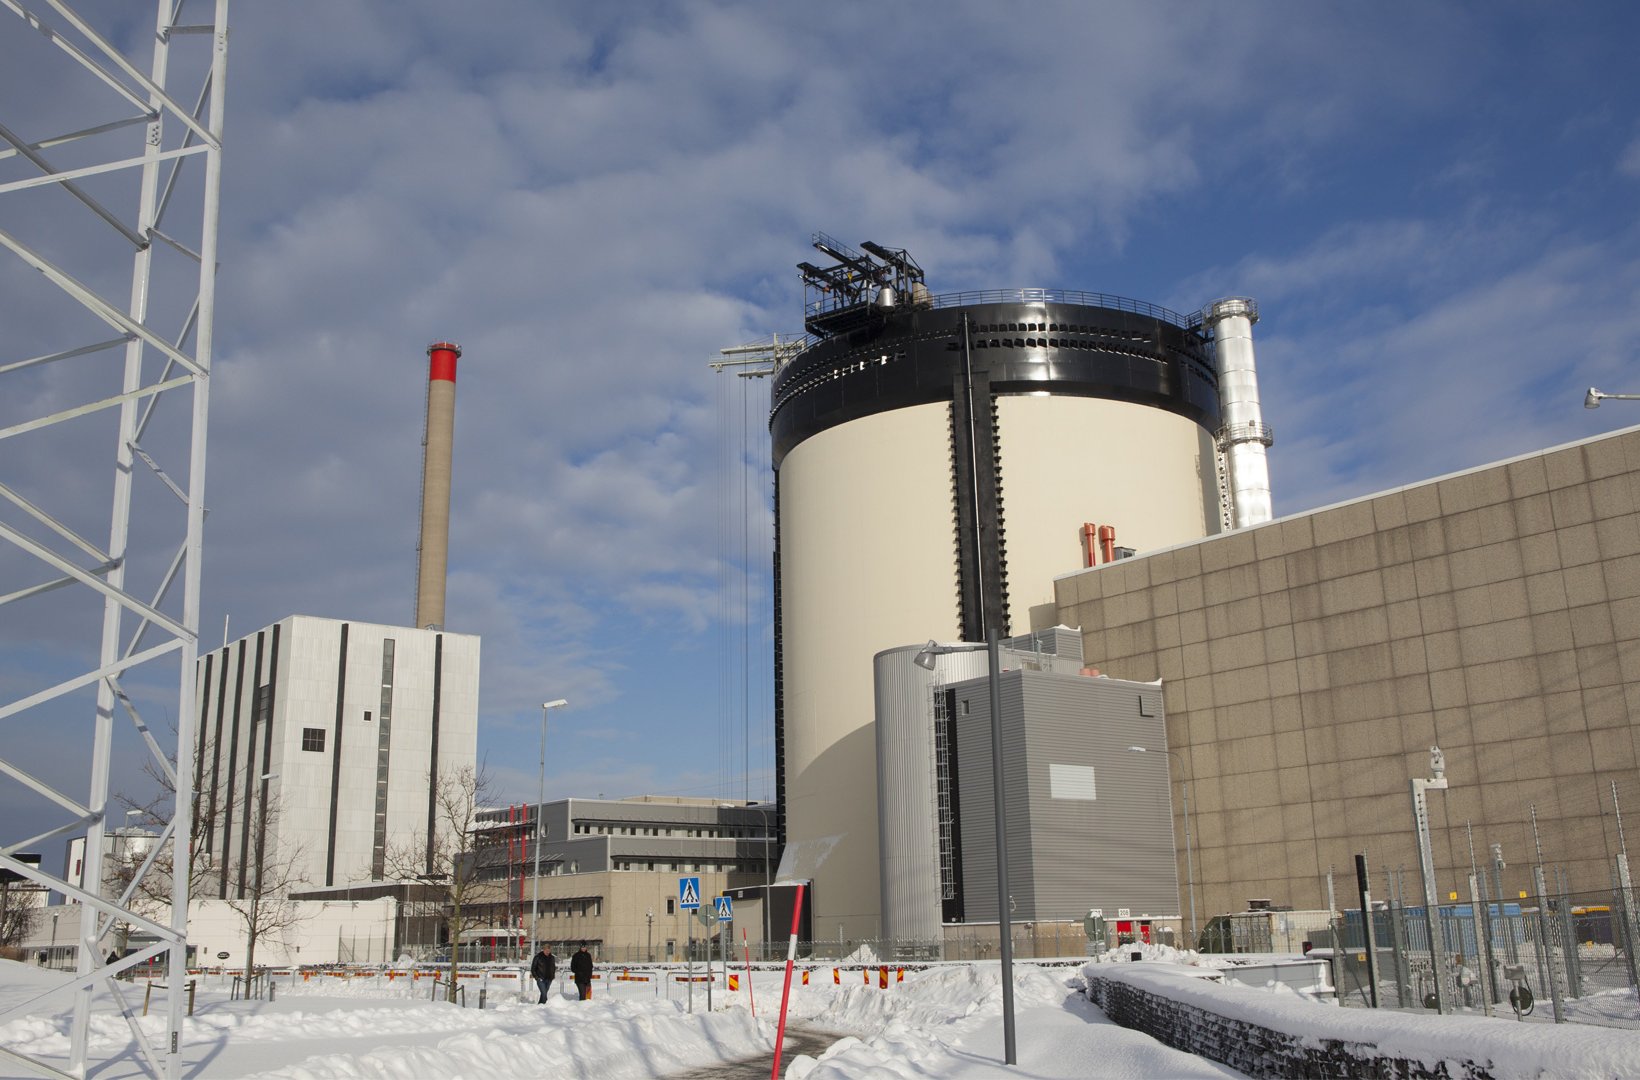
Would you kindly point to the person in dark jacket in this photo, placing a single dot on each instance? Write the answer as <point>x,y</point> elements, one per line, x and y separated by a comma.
<point>580,966</point>
<point>543,969</point>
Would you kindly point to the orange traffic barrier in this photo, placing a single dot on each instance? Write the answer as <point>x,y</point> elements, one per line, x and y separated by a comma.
<point>734,981</point>
<point>899,974</point>
<point>882,978</point>
<point>837,976</point>
<point>805,976</point>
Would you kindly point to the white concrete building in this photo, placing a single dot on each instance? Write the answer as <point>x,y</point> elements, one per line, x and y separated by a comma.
<point>319,932</point>
<point>333,734</point>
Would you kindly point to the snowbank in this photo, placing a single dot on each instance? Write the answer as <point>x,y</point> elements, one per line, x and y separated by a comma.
<point>1240,1024</point>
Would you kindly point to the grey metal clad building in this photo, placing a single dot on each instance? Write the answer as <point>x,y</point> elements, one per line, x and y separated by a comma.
<point>917,829</point>
<point>1090,822</point>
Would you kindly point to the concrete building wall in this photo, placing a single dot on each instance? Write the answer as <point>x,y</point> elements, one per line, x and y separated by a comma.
<point>321,932</point>
<point>864,558</point>
<point>342,725</point>
<point>867,520</point>
<point>606,864</point>
<point>1070,460</point>
<point>1311,662</point>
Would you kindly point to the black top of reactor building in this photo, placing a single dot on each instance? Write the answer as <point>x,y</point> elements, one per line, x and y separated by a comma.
<point>882,341</point>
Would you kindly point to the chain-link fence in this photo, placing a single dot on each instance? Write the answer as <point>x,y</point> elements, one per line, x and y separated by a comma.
<point>1037,939</point>
<point>1570,953</point>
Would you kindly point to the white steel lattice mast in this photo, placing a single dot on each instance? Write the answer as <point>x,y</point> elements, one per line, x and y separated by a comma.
<point>66,212</point>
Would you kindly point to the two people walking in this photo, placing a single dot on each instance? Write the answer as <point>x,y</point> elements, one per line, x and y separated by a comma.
<point>544,968</point>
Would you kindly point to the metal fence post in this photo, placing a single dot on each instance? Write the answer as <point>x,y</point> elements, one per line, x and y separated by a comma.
<point>1367,928</point>
<point>1483,943</point>
<point>1546,951</point>
<point>1568,939</point>
<point>1625,910</point>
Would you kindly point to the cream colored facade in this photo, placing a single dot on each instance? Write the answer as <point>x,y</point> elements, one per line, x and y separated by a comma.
<point>609,910</point>
<point>1311,662</point>
<point>1069,460</point>
<point>868,563</point>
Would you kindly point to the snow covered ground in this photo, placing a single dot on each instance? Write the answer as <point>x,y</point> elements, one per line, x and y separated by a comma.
<point>942,1022</point>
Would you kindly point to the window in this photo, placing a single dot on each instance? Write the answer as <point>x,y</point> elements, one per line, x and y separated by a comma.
<point>1072,782</point>
<point>313,739</point>
<point>671,905</point>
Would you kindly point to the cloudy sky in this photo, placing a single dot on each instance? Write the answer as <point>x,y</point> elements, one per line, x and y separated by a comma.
<point>1435,206</point>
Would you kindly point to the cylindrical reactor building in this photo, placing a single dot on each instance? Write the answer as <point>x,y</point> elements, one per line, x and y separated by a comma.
<point>935,464</point>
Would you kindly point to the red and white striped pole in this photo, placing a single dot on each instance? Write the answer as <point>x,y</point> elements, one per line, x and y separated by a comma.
<point>786,993</point>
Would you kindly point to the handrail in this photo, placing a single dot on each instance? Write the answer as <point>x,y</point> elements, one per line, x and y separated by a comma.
<point>1059,296</point>
<point>1028,296</point>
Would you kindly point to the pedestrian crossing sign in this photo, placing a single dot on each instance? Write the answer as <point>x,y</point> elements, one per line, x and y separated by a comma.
<point>725,908</point>
<point>689,893</point>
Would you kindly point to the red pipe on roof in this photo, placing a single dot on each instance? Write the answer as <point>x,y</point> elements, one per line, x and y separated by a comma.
<point>1107,543</point>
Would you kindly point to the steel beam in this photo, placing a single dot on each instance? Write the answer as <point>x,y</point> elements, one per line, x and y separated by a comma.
<point>165,322</point>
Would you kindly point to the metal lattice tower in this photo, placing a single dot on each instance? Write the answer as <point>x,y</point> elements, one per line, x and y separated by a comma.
<point>109,184</point>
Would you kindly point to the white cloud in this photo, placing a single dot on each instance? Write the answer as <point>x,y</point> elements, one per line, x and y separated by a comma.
<point>593,200</point>
<point>1628,163</point>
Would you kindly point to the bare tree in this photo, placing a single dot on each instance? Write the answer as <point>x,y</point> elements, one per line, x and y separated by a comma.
<point>263,905</point>
<point>153,890</point>
<point>17,912</point>
<point>450,857</point>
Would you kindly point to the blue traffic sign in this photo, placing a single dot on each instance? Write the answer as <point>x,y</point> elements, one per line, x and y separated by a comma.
<point>689,893</point>
<point>725,908</point>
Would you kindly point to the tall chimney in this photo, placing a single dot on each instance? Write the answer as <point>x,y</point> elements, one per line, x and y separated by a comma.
<point>1244,436</point>
<point>434,548</point>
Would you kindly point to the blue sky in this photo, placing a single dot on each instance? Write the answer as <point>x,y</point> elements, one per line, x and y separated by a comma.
<point>1435,206</point>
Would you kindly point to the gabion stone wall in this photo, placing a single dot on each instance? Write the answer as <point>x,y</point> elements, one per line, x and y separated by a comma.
<point>1258,1050</point>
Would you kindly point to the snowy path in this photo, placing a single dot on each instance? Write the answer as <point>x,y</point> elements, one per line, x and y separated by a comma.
<point>799,1042</point>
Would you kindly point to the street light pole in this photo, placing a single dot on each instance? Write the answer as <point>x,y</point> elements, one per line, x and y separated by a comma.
<point>1594,397</point>
<point>1426,863</point>
<point>1189,859</point>
<point>540,803</point>
<point>993,646</point>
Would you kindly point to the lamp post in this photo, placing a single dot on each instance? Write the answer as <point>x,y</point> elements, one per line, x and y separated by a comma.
<point>1594,397</point>
<point>1426,863</point>
<point>925,660</point>
<point>649,950</point>
<point>1189,860</point>
<point>540,802</point>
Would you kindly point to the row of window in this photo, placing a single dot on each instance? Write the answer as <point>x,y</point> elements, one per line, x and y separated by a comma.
<point>710,832</point>
<point>572,909</point>
<point>709,866</point>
